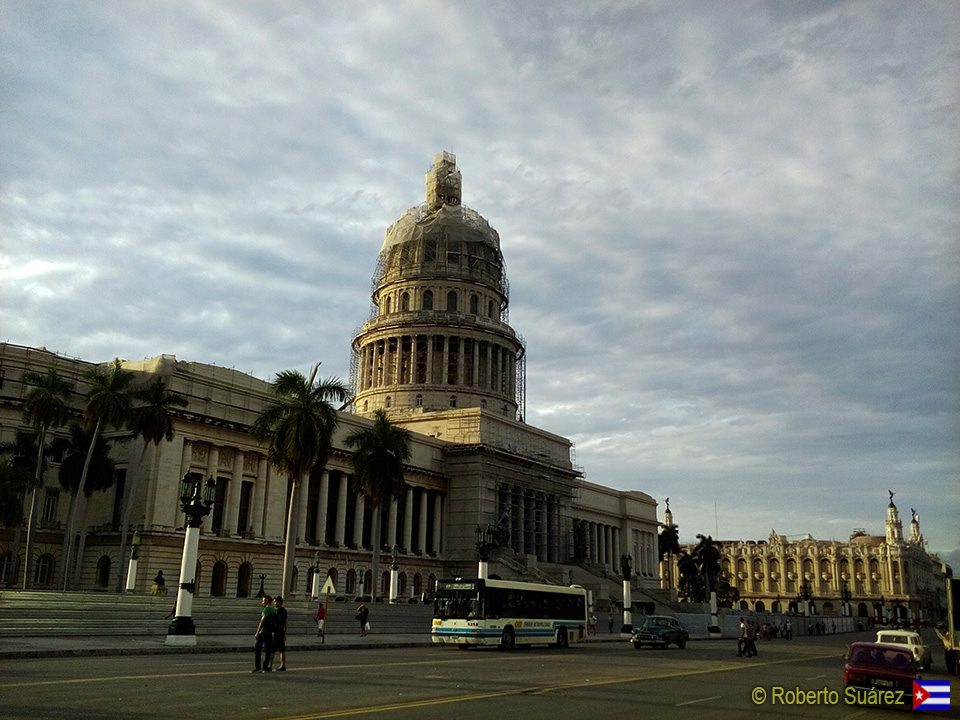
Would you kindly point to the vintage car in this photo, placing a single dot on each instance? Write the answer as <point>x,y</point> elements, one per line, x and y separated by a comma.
<point>878,667</point>
<point>910,640</point>
<point>659,631</point>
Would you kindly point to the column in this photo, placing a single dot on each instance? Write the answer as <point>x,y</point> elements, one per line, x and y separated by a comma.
<point>518,519</point>
<point>231,513</point>
<point>489,382</point>
<point>408,521</point>
<point>259,491</point>
<point>213,465</point>
<point>322,508</point>
<point>303,491</point>
<point>397,364</point>
<point>476,363</point>
<point>340,528</point>
<point>616,549</point>
<point>461,364</point>
<point>358,522</point>
<point>445,376</point>
<point>422,530</point>
<point>437,522</point>
<point>392,524</point>
<point>551,530</point>
<point>429,377</point>
<point>541,532</point>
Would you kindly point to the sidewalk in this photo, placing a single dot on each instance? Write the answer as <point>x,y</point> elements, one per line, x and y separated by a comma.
<point>45,647</point>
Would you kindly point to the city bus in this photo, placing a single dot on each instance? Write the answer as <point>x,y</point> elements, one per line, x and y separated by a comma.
<point>470,611</point>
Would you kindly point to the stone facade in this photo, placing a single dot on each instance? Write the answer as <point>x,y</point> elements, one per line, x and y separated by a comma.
<point>451,372</point>
<point>888,577</point>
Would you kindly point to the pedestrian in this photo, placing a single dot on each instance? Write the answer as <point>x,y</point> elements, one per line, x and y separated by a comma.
<point>751,647</point>
<point>321,619</point>
<point>742,639</point>
<point>363,617</point>
<point>280,633</point>
<point>159,584</point>
<point>610,622</point>
<point>264,635</point>
<point>788,630</point>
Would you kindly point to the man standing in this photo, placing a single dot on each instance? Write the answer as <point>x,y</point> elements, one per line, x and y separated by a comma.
<point>280,633</point>
<point>264,635</point>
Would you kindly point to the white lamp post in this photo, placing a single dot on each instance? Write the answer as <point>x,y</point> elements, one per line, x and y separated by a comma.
<point>182,630</point>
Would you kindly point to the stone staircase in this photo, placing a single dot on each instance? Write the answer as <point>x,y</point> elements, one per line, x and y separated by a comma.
<point>72,614</point>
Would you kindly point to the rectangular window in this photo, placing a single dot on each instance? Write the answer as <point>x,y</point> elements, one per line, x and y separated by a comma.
<point>243,515</point>
<point>219,502</point>
<point>50,500</point>
<point>119,488</point>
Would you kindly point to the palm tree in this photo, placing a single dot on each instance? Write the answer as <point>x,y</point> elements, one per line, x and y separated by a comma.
<point>108,403</point>
<point>152,421</point>
<point>87,465</point>
<point>298,424</point>
<point>16,480</point>
<point>45,406</point>
<point>378,461</point>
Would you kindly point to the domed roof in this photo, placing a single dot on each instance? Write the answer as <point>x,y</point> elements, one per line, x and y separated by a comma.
<point>451,222</point>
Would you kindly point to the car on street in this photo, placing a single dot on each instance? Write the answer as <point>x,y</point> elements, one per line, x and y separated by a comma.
<point>659,631</point>
<point>910,640</point>
<point>875,668</point>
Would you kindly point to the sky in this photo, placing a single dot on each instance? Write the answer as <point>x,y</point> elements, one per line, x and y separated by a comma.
<point>730,229</point>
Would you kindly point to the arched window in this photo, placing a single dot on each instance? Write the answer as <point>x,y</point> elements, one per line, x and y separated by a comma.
<point>483,403</point>
<point>332,574</point>
<point>218,583</point>
<point>428,299</point>
<point>389,401</point>
<point>389,306</point>
<point>758,606</point>
<point>417,585</point>
<point>103,571</point>
<point>351,588</point>
<point>453,401</point>
<point>43,570</point>
<point>452,301</point>
<point>419,400</point>
<point>402,584</point>
<point>474,305</point>
<point>490,309</point>
<point>384,582</point>
<point>404,302</point>
<point>244,579</point>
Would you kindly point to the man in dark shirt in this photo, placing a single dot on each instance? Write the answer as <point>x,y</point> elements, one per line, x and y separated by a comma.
<point>264,635</point>
<point>280,633</point>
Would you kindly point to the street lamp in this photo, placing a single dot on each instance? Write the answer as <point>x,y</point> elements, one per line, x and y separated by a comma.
<point>315,590</point>
<point>131,583</point>
<point>806,594</point>
<point>196,500</point>
<point>486,543</point>
<point>845,596</point>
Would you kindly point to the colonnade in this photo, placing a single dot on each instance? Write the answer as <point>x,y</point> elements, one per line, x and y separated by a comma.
<point>438,359</point>
<point>329,511</point>
<point>532,518</point>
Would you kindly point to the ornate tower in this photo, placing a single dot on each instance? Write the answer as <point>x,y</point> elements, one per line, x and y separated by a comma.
<point>893,525</point>
<point>438,335</point>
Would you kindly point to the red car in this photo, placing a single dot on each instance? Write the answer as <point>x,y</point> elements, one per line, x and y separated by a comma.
<point>878,675</point>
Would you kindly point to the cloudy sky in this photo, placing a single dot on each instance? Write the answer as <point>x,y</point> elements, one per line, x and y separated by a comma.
<point>731,229</point>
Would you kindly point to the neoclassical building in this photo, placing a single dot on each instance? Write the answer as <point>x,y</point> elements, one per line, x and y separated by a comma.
<point>889,576</point>
<point>438,354</point>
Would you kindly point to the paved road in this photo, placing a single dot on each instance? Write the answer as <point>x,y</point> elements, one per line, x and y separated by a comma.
<point>596,680</point>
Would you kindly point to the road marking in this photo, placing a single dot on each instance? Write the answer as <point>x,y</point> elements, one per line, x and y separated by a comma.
<point>694,702</point>
<point>815,677</point>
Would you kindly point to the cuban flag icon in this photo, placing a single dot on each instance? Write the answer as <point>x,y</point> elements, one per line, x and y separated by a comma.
<point>931,695</point>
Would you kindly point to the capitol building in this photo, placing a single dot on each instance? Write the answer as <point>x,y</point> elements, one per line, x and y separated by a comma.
<point>437,353</point>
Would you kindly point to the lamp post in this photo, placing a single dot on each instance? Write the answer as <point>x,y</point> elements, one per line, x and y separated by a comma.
<point>315,590</point>
<point>806,594</point>
<point>845,596</point>
<point>131,583</point>
<point>626,570</point>
<point>486,541</point>
<point>196,500</point>
<point>394,573</point>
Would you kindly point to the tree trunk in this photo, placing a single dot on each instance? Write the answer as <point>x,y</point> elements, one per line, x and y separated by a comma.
<point>375,558</point>
<point>290,543</point>
<point>68,543</point>
<point>81,542</point>
<point>37,484</point>
<point>128,492</point>
<point>62,573</point>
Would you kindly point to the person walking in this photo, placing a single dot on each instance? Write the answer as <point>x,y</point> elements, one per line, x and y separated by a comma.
<point>264,635</point>
<point>742,639</point>
<point>788,630</point>
<point>159,584</point>
<point>751,646</point>
<point>280,633</point>
<point>321,619</point>
<point>363,615</point>
<point>610,622</point>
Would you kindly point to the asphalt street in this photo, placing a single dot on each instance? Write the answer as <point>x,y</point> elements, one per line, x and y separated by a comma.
<point>595,680</point>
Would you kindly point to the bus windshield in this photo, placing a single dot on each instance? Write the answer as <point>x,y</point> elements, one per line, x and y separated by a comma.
<point>457,601</point>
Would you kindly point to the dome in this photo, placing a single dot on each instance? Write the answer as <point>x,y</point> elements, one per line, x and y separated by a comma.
<point>448,222</point>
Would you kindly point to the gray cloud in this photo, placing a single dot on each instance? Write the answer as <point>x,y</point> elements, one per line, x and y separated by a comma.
<point>730,232</point>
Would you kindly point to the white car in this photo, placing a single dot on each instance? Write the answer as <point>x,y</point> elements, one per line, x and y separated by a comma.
<point>910,640</point>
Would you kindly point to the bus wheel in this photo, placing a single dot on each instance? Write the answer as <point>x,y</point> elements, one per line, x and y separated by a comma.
<point>562,640</point>
<point>507,641</point>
